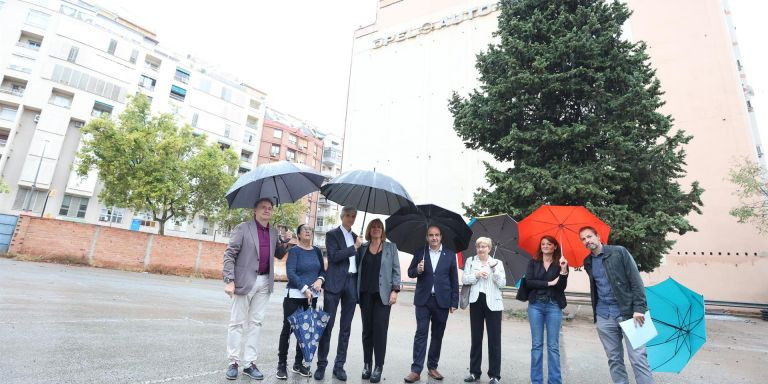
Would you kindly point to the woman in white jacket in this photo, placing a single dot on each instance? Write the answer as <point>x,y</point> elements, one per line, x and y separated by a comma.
<point>486,276</point>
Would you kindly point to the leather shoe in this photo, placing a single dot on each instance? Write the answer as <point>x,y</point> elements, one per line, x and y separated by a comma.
<point>494,381</point>
<point>433,373</point>
<point>471,378</point>
<point>366,371</point>
<point>412,377</point>
<point>376,375</point>
<point>320,373</point>
<point>340,374</point>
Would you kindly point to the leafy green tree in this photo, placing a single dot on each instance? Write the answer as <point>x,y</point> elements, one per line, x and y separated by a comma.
<point>751,180</point>
<point>4,187</point>
<point>575,107</point>
<point>148,163</point>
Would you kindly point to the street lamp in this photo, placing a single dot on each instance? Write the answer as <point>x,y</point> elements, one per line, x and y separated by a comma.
<point>28,200</point>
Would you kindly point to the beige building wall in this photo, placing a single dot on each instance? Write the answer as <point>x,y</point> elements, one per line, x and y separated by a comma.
<point>406,65</point>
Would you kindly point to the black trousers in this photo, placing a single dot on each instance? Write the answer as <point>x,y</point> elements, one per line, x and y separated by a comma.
<point>479,314</point>
<point>289,307</point>
<point>375,325</point>
<point>348,299</point>
<point>426,314</point>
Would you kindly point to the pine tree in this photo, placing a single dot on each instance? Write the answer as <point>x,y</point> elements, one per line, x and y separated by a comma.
<point>575,107</point>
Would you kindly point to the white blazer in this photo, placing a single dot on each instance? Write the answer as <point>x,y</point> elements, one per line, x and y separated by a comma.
<point>498,279</point>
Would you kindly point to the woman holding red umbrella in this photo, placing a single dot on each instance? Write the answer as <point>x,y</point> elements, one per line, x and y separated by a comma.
<point>546,282</point>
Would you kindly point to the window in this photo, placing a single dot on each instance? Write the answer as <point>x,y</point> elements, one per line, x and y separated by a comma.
<point>74,206</point>
<point>246,156</point>
<point>111,215</point>
<point>252,122</point>
<point>72,57</point>
<point>249,138</point>
<point>277,134</point>
<point>205,226</point>
<point>100,109</point>
<point>195,117</point>
<point>37,18</point>
<point>224,146</point>
<point>255,104</point>
<point>152,63</point>
<point>301,158</point>
<point>26,200</point>
<point>290,155</point>
<point>134,56</point>
<point>178,93</point>
<point>242,171</point>
<point>227,130</point>
<point>7,113</point>
<point>112,46</point>
<point>181,75</point>
<point>319,222</point>
<point>226,94</point>
<point>147,82</point>
<point>275,150</point>
<point>61,98</point>
<point>292,139</point>
<point>303,143</point>
<point>145,220</point>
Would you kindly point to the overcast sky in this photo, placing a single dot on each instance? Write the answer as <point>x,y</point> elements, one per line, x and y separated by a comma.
<point>299,51</point>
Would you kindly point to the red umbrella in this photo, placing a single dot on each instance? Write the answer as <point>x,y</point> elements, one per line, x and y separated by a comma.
<point>563,223</point>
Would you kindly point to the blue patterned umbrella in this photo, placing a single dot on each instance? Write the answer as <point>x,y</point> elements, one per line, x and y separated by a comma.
<point>308,326</point>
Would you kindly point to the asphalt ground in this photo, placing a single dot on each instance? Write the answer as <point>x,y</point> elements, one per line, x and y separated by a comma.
<point>72,324</point>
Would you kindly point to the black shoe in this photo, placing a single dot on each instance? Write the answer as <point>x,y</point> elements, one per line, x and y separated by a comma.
<point>471,378</point>
<point>340,374</point>
<point>232,371</point>
<point>494,381</point>
<point>301,370</point>
<point>253,372</point>
<point>376,375</point>
<point>319,373</point>
<point>366,371</point>
<point>281,372</point>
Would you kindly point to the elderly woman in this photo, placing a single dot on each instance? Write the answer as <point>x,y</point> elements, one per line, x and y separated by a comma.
<point>546,282</point>
<point>486,276</point>
<point>304,268</point>
<point>378,283</point>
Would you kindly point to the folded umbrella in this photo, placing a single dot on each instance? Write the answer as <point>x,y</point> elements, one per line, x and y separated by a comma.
<point>408,228</point>
<point>563,223</point>
<point>502,230</point>
<point>678,314</point>
<point>281,181</point>
<point>308,327</point>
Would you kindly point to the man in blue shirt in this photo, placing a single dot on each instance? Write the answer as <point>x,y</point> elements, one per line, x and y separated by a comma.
<point>617,294</point>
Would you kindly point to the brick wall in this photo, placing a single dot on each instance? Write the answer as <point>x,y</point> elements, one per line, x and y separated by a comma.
<point>101,246</point>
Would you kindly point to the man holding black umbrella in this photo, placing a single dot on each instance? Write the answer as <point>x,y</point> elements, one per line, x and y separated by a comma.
<point>437,294</point>
<point>340,287</point>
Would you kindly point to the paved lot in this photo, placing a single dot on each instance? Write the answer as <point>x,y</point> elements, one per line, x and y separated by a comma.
<point>67,324</point>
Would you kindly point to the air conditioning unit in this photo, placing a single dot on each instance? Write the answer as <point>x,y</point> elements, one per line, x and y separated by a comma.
<point>37,118</point>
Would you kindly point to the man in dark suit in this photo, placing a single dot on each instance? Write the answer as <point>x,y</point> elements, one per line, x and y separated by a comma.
<point>437,293</point>
<point>340,286</point>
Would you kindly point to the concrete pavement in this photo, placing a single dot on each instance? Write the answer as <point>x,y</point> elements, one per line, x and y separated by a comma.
<point>69,324</point>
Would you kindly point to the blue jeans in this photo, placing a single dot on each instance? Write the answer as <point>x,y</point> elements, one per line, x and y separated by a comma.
<point>543,315</point>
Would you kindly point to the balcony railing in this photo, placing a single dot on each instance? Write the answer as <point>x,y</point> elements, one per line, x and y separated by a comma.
<point>28,46</point>
<point>183,79</point>
<point>12,91</point>
<point>177,97</point>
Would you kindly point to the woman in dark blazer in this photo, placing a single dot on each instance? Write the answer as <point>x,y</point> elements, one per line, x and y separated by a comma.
<point>306,274</point>
<point>378,282</point>
<point>546,282</point>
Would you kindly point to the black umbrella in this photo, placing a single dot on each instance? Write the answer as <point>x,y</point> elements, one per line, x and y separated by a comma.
<point>408,228</point>
<point>502,230</point>
<point>281,181</point>
<point>367,191</point>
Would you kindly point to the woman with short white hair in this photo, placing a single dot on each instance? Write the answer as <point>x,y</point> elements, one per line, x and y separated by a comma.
<point>486,276</point>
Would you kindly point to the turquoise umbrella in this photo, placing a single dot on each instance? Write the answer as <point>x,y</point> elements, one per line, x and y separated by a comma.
<point>678,314</point>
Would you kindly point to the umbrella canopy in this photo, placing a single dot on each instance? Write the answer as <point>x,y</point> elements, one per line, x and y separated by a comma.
<point>502,229</point>
<point>281,181</point>
<point>678,314</point>
<point>308,326</point>
<point>563,223</point>
<point>408,228</point>
<point>367,191</point>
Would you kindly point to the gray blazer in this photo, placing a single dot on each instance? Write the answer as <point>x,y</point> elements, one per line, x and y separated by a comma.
<point>389,276</point>
<point>241,259</point>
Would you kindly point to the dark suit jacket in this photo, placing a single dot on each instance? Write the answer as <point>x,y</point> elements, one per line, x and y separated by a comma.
<point>445,279</point>
<point>338,259</point>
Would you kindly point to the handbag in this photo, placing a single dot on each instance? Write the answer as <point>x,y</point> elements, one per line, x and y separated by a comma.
<point>522,290</point>
<point>464,293</point>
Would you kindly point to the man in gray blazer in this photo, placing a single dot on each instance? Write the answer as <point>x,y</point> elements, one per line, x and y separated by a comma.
<point>249,275</point>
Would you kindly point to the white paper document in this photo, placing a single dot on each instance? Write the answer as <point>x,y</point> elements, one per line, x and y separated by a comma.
<point>638,336</point>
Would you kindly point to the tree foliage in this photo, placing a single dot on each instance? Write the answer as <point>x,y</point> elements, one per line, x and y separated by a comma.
<point>752,182</point>
<point>148,163</point>
<point>575,106</point>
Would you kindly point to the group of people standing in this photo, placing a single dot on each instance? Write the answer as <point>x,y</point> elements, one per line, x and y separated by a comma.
<point>368,274</point>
